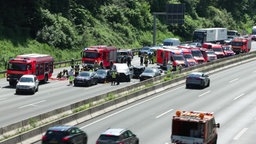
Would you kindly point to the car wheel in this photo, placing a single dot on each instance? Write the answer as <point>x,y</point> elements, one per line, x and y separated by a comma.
<point>208,83</point>
<point>37,88</point>
<point>34,91</point>
<point>187,86</point>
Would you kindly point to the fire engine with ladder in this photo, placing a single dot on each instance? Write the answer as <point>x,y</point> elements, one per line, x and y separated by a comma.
<point>194,127</point>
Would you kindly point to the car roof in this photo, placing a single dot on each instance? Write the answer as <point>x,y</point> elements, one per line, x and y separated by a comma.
<point>114,131</point>
<point>196,73</point>
<point>61,128</point>
<point>29,76</point>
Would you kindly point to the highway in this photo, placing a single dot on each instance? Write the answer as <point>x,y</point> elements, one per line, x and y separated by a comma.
<point>231,97</point>
<point>53,95</point>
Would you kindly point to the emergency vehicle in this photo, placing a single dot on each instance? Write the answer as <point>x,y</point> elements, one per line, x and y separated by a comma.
<point>228,50</point>
<point>217,48</point>
<point>189,57</point>
<point>103,55</point>
<point>197,54</point>
<point>241,45</point>
<point>175,55</point>
<point>193,127</point>
<point>40,65</point>
<point>208,54</point>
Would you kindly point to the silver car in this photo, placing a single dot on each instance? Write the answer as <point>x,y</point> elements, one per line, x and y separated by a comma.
<point>199,79</point>
<point>27,83</point>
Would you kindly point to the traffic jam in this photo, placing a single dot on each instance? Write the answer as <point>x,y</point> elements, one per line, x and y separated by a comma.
<point>111,65</point>
<point>108,64</point>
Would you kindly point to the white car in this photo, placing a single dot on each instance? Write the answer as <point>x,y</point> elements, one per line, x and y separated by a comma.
<point>27,83</point>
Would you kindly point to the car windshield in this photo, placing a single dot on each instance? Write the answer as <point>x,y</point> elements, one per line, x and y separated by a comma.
<point>101,72</point>
<point>85,74</point>
<point>237,43</point>
<point>26,79</point>
<point>178,57</point>
<point>17,66</point>
<point>188,56</point>
<point>148,71</point>
<point>226,48</point>
<point>217,49</point>
<point>197,53</point>
<point>210,52</point>
<point>90,55</point>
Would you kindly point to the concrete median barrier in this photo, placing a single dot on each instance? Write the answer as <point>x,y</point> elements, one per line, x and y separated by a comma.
<point>122,97</point>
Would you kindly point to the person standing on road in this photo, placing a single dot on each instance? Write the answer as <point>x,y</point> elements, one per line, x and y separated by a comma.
<point>146,60</point>
<point>129,59</point>
<point>114,73</point>
<point>71,76</point>
<point>141,59</point>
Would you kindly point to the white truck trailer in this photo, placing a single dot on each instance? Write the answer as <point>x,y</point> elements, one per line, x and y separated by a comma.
<point>210,35</point>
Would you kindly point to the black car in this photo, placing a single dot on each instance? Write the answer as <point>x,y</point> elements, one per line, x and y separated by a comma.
<point>117,136</point>
<point>149,72</point>
<point>104,75</point>
<point>86,78</point>
<point>197,79</point>
<point>64,135</point>
<point>137,70</point>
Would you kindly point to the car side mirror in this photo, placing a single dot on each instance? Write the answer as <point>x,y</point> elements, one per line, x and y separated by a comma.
<point>217,125</point>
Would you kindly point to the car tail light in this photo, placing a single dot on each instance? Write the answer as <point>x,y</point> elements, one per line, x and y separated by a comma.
<point>65,139</point>
<point>121,143</point>
<point>97,142</point>
<point>44,138</point>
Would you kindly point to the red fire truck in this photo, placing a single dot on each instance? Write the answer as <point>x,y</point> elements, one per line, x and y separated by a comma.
<point>40,65</point>
<point>193,127</point>
<point>241,45</point>
<point>197,54</point>
<point>217,48</point>
<point>175,55</point>
<point>101,54</point>
<point>189,57</point>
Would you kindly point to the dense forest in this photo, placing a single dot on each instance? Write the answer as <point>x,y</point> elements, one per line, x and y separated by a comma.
<point>57,26</point>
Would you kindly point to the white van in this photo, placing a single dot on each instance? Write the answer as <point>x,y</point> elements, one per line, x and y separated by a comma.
<point>171,42</point>
<point>125,73</point>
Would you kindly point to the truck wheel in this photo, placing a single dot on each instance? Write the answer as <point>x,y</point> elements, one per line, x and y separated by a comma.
<point>45,78</point>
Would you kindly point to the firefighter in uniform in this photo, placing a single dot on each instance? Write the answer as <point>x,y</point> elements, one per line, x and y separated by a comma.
<point>113,75</point>
<point>77,70</point>
<point>146,60</point>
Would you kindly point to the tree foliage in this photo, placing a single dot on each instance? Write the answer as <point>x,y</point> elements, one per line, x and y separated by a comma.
<point>71,24</point>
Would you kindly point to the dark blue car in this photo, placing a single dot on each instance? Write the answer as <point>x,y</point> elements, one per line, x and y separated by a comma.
<point>64,135</point>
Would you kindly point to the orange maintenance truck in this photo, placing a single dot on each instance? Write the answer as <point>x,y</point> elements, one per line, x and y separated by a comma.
<point>193,127</point>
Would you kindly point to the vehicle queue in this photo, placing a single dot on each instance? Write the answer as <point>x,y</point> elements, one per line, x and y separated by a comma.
<point>89,73</point>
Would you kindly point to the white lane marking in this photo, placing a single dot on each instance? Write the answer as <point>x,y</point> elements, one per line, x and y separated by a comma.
<point>204,93</point>
<point>113,114</point>
<point>238,96</point>
<point>240,133</point>
<point>164,113</point>
<point>233,80</point>
<point>32,104</point>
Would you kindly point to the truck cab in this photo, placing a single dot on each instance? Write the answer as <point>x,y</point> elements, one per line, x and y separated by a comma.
<point>194,127</point>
